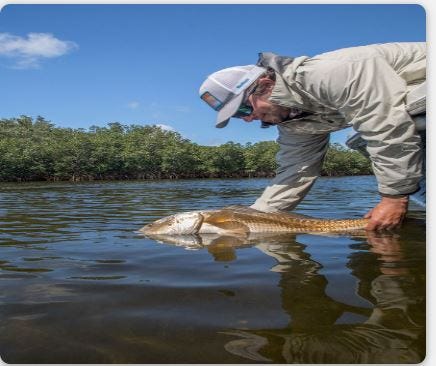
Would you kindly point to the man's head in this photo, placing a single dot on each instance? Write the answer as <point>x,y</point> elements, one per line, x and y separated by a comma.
<point>242,92</point>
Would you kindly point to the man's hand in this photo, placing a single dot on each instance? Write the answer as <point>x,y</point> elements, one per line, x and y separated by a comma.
<point>388,214</point>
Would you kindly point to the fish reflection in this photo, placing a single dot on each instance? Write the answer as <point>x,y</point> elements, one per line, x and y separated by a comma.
<point>392,332</point>
<point>221,247</point>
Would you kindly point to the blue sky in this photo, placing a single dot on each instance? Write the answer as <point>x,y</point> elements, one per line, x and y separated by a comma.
<point>83,65</point>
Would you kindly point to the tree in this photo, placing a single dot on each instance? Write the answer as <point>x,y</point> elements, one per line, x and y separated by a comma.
<point>260,158</point>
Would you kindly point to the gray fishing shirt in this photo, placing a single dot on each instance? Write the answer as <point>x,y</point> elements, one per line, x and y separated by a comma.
<point>363,87</point>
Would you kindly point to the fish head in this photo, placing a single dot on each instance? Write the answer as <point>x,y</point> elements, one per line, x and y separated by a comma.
<point>179,224</point>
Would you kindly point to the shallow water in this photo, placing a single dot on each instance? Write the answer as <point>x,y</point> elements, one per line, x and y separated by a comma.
<point>79,285</point>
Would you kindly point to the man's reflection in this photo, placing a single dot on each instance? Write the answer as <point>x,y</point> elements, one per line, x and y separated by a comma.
<point>392,330</point>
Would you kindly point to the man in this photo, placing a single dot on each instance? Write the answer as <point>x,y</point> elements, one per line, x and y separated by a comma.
<point>309,97</point>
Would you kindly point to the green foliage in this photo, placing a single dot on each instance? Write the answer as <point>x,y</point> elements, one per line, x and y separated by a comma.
<point>37,150</point>
<point>260,158</point>
<point>342,161</point>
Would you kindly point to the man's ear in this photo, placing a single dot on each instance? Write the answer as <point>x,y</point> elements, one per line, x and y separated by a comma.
<point>266,83</point>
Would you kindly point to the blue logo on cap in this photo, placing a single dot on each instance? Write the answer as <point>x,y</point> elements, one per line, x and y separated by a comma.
<point>242,83</point>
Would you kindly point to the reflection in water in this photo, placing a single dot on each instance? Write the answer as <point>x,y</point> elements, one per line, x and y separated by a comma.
<point>390,332</point>
<point>79,285</point>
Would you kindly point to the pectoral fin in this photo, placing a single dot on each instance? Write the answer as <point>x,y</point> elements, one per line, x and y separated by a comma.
<point>225,222</point>
<point>232,227</point>
<point>219,216</point>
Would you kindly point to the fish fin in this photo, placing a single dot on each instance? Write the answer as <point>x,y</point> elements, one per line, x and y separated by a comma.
<point>225,220</point>
<point>231,227</point>
<point>234,227</point>
<point>274,215</point>
<point>293,215</point>
<point>240,207</point>
<point>222,215</point>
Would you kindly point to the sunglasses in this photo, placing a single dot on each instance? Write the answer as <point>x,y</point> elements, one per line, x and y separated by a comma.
<point>245,109</point>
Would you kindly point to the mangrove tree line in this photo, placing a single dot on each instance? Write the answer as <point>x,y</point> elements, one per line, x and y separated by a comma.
<point>35,149</point>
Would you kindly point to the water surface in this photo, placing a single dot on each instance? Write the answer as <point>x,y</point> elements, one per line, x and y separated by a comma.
<point>80,285</point>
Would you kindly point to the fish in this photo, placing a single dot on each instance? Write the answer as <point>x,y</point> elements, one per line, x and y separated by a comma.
<point>242,220</point>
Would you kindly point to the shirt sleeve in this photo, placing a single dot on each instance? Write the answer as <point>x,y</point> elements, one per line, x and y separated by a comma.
<point>371,96</point>
<point>300,160</point>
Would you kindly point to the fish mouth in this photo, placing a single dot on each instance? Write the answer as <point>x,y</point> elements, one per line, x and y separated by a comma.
<point>150,229</point>
<point>145,230</point>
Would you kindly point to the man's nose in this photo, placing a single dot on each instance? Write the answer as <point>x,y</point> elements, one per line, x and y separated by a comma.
<point>249,118</point>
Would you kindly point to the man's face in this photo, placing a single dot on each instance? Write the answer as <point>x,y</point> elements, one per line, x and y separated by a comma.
<point>266,111</point>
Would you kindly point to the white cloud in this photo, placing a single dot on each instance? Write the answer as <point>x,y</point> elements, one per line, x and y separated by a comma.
<point>27,52</point>
<point>165,127</point>
<point>133,105</point>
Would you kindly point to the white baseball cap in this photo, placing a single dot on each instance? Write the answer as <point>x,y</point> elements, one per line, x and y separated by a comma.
<point>224,90</point>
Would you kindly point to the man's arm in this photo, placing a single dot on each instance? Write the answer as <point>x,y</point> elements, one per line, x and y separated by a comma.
<point>371,96</point>
<point>300,160</point>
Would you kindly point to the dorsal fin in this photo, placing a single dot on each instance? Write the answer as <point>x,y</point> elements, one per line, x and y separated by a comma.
<point>276,216</point>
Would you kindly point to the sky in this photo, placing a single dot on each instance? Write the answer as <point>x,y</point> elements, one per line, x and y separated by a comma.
<point>84,65</point>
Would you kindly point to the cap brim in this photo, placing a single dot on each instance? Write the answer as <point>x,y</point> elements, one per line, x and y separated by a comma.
<point>228,111</point>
